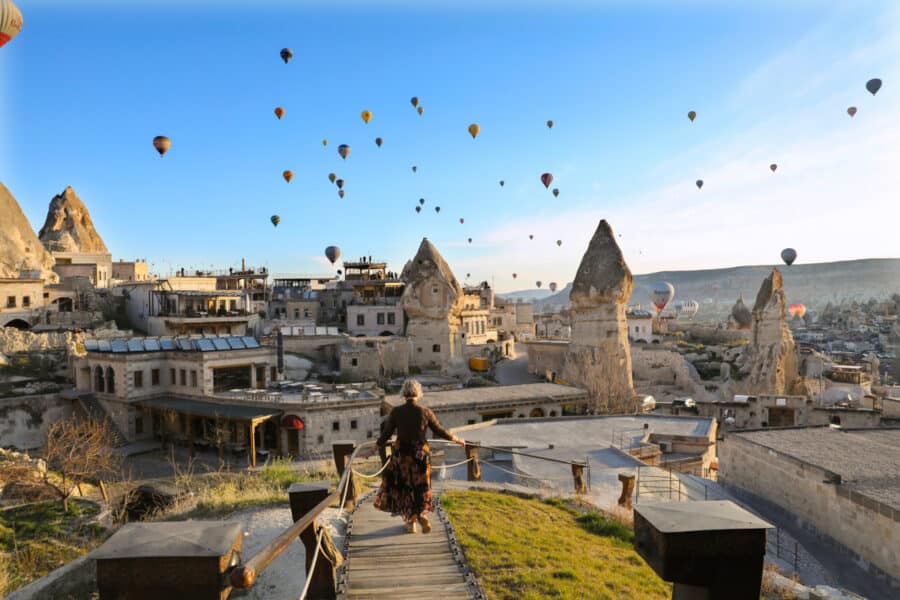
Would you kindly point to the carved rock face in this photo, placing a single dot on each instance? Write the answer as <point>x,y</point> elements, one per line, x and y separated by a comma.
<point>432,291</point>
<point>19,246</point>
<point>741,314</point>
<point>68,227</point>
<point>602,276</point>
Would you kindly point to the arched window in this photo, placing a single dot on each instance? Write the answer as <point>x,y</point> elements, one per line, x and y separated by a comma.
<point>110,380</point>
<point>537,412</point>
<point>552,413</point>
<point>98,380</point>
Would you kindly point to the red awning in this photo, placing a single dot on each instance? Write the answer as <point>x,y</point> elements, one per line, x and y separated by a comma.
<point>292,422</point>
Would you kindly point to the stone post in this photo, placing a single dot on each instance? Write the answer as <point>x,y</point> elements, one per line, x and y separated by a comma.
<point>627,489</point>
<point>473,469</point>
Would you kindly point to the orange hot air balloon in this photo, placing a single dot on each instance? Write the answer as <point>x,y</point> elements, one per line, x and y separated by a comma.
<point>279,112</point>
<point>474,129</point>
<point>288,175</point>
<point>366,115</point>
<point>161,143</point>
<point>797,310</point>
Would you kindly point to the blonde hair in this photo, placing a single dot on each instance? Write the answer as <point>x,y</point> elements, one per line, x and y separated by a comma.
<point>411,389</point>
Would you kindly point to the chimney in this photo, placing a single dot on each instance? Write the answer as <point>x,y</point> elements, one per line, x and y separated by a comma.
<point>243,265</point>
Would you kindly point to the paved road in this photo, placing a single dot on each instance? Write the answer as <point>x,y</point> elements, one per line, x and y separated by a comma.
<point>515,371</point>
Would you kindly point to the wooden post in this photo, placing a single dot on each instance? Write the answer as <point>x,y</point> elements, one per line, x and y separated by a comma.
<point>578,477</point>
<point>342,450</point>
<point>304,497</point>
<point>473,469</point>
<point>103,491</point>
<point>627,489</point>
<point>252,444</point>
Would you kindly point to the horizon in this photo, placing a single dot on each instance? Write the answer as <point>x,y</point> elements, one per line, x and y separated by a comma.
<point>769,84</point>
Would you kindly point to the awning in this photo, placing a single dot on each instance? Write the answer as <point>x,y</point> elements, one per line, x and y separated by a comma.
<point>292,422</point>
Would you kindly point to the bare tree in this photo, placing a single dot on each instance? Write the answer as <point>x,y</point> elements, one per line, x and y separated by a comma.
<point>78,451</point>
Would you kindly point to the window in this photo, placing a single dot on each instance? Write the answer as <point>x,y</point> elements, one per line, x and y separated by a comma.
<point>320,439</point>
<point>296,313</point>
<point>369,434</point>
<point>360,320</point>
<point>233,305</point>
<point>154,377</point>
<point>436,348</point>
<point>471,421</point>
<point>354,362</point>
<point>353,424</point>
<point>336,426</point>
<point>193,378</point>
<point>138,425</point>
<point>138,379</point>
<point>392,319</point>
<point>306,314</point>
<point>379,318</point>
<point>434,290</point>
<point>10,302</point>
<point>26,301</point>
<point>172,376</point>
<point>182,376</point>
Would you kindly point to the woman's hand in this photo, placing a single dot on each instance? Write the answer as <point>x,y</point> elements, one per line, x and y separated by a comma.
<point>459,440</point>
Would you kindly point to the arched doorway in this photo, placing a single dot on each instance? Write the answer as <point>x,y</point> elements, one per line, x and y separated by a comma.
<point>18,324</point>
<point>537,413</point>
<point>99,382</point>
<point>110,380</point>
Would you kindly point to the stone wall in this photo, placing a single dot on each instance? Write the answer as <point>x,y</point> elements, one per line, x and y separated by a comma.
<point>24,420</point>
<point>546,359</point>
<point>662,367</point>
<point>365,359</point>
<point>709,335</point>
<point>869,529</point>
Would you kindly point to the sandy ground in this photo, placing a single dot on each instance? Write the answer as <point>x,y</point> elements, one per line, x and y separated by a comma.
<point>285,577</point>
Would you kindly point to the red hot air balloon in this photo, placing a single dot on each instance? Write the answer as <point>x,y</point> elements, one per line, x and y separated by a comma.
<point>279,112</point>
<point>10,21</point>
<point>797,310</point>
<point>546,179</point>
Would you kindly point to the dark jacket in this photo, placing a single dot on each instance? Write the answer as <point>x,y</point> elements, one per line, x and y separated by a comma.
<point>410,420</point>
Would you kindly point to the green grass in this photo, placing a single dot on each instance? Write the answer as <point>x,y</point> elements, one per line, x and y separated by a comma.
<point>527,549</point>
<point>41,537</point>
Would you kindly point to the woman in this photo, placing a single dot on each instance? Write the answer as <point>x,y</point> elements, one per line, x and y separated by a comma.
<point>406,484</point>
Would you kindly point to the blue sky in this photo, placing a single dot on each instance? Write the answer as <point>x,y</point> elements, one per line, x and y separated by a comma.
<point>86,88</point>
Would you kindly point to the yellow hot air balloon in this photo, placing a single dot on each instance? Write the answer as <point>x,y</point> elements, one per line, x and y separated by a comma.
<point>324,142</point>
<point>279,112</point>
<point>474,128</point>
<point>161,143</point>
<point>288,175</point>
<point>366,115</point>
<point>10,21</point>
<point>420,110</point>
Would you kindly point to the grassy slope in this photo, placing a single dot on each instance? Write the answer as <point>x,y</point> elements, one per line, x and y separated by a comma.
<point>528,549</point>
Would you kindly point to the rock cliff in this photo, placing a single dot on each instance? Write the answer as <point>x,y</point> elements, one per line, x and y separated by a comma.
<point>68,227</point>
<point>19,246</point>
<point>599,356</point>
<point>769,364</point>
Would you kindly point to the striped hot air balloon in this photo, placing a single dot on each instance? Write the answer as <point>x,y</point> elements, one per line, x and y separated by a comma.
<point>10,21</point>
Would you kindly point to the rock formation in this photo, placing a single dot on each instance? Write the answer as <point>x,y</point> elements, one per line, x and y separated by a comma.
<point>741,316</point>
<point>599,356</point>
<point>68,227</point>
<point>769,364</point>
<point>432,302</point>
<point>20,248</point>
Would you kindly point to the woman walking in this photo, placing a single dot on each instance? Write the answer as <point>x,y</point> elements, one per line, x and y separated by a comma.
<point>406,484</point>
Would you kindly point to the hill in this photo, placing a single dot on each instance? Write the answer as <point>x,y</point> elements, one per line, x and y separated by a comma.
<point>812,284</point>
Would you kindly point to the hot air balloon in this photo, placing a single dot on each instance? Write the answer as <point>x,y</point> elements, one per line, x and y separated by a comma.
<point>468,275</point>
<point>538,283</point>
<point>661,294</point>
<point>344,151</point>
<point>797,310</point>
<point>420,110</point>
<point>687,308</point>
<point>873,85</point>
<point>556,192</point>
<point>550,124</point>
<point>851,111</point>
<point>470,240</point>
<point>415,168</point>
<point>341,193</point>
<point>421,200</point>
<point>275,220</point>
<point>474,128</point>
<point>552,286</point>
<point>692,115</point>
<point>366,115</point>
<point>332,177</point>
<point>437,209</point>
<point>418,209</point>
<point>546,179</point>
<point>288,175</point>
<point>773,166</point>
<point>530,236</point>
<point>699,184</point>
<point>414,101</point>
<point>379,142</point>
<point>502,183</point>
<point>10,21</point>
<point>324,142</point>
<point>279,112</point>
<point>160,142</point>
<point>332,253</point>
<point>515,275</point>
<point>788,255</point>
<point>559,242</point>
<point>461,220</point>
<point>286,55</point>
<point>340,184</point>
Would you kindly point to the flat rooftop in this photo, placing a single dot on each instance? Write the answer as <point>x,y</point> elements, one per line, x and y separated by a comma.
<point>596,431</point>
<point>550,392</point>
<point>868,460</point>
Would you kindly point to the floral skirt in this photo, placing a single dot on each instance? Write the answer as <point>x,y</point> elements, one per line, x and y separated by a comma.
<point>406,482</point>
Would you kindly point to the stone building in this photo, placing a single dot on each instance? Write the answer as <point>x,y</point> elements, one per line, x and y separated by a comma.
<point>599,357</point>
<point>131,270</point>
<point>433,304</point>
